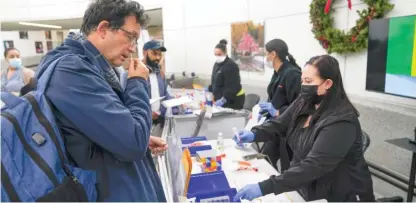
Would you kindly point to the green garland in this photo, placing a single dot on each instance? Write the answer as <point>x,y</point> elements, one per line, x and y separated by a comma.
<point>335,40</point>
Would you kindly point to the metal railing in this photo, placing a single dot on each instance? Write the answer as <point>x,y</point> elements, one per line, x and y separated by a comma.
<point>397,180</point>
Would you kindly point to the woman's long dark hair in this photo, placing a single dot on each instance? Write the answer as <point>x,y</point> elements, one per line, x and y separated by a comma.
<point>282,51</point>
<point>336,99</point>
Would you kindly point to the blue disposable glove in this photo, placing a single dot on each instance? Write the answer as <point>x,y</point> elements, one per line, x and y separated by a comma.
<point>248,192</point>
<point>267,106</point>
<point>220,102</point>
<point>246,136</point>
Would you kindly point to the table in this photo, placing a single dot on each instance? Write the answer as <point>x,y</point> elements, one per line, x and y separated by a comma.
<point>405,143</point>
<point>238,179</point>
<point>184,125</point>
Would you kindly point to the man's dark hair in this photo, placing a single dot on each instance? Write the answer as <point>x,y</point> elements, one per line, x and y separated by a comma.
<point>113,11</point>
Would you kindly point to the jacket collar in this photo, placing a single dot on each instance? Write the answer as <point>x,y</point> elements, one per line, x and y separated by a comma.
<point>284,65</point>
<point>95,57</point>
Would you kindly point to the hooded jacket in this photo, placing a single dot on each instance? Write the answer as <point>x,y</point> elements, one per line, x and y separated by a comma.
<point>327,160</point>
<point>104,128</point>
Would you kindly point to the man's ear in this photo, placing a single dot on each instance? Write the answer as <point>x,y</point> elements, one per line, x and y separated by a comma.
<point>102,28</point>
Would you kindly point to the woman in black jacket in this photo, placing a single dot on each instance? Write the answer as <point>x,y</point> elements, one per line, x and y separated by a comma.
<point>225,80</point>
<point>282,90</point>
<point>324,134</point>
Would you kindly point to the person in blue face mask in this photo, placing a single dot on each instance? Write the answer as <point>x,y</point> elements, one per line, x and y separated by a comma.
<point>15,76</point>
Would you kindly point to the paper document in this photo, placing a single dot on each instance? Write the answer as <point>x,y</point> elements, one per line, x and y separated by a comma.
<point>153,100</point>
<point>176,102</point>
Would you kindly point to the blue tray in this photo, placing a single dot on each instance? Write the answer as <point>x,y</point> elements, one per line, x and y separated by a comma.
<point>193,150</point>
<point>211,187</point>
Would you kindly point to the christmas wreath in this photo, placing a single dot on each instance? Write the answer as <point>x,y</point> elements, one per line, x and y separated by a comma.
<point>335,40</point>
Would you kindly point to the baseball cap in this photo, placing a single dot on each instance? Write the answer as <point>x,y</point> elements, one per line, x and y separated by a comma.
<point>153,45</point>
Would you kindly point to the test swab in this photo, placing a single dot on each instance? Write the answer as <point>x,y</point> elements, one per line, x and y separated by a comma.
<point>236,134</point>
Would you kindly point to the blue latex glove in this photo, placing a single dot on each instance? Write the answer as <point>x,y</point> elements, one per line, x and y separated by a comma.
<point>246,136</point>
<point>248,192</point>
<point>267,106</point>
<point>220,102</point>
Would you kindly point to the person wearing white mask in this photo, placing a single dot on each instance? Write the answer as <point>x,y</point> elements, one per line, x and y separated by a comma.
<point>15,76</point>
<point>283,89</point>
<point>225,80</point>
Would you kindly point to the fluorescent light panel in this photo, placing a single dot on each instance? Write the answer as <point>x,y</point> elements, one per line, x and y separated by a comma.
<point>40,25</point>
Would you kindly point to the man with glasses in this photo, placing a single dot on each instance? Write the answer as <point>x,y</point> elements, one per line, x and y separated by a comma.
<point>106,127</point>
<point>153,55</point>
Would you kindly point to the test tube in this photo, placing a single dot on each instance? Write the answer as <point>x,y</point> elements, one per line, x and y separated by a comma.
<point>236,133</point>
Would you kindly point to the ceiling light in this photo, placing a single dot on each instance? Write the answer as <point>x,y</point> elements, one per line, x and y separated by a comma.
<point>40,25</point>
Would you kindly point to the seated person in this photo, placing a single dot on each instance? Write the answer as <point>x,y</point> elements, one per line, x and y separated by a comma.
<point>324,134</point>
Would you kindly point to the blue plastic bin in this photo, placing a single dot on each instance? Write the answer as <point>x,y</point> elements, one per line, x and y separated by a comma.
<point>190,140</point>
<point>210,187</point>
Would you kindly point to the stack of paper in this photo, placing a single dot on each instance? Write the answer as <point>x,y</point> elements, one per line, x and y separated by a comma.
<point>153,100</point>
<point>176,102</point>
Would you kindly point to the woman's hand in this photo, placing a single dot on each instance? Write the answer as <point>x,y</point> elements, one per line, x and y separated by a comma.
<point>248,192</point>
<point>267,106</point>
<point>220,102</point>
<point>244,137</point>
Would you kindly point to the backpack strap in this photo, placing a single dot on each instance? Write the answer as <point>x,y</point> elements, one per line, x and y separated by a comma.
<point>45,77</point>
<point>43,82</point>
<point>48,127</point>
<point>8,186</point>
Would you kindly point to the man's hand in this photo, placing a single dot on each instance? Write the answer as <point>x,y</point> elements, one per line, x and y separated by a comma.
<point>155,115</point>
<point>157,145</point>
<point>137,68</point>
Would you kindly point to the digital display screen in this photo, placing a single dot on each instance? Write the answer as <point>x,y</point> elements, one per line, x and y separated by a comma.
<point>391,62</point>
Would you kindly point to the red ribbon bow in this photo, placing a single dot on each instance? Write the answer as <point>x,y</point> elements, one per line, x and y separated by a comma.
<point>328,5</point>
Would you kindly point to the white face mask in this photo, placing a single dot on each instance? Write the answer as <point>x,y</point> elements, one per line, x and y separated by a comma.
<point>220,59</point>
<point>269,64</point>
<point>15,63</point>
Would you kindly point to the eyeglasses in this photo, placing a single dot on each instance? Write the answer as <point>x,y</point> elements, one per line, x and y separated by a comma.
<point>132,37</point>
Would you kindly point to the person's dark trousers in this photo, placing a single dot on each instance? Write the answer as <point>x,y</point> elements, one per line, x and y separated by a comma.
<point>272,150</point>
<point>237,103</point>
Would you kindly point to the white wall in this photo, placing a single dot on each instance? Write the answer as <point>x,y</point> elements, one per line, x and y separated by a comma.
<point>30,10</point>
<point>192,29</point>
<point>27,46</point>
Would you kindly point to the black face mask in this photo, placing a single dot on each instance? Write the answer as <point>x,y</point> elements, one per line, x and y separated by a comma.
<point>310,92</point>
<point>153,65</point>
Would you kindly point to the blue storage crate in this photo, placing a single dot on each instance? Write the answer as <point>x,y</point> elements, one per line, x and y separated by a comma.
<point>190,140</point>
<point>210,187</point>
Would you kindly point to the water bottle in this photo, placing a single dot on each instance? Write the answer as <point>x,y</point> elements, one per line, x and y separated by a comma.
<point>208,105</point>
<point>220,142</point>
<point>209,98</point>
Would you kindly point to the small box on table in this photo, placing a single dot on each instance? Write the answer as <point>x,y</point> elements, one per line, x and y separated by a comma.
<point>210,160</point>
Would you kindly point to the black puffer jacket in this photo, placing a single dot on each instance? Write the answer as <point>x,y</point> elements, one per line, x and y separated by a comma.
<point>327,162</point>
